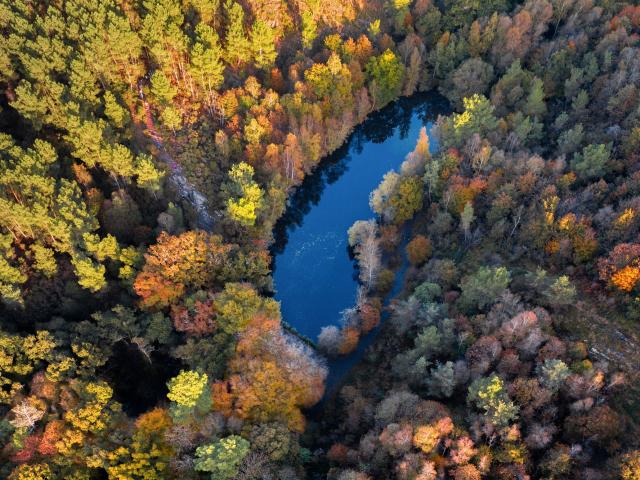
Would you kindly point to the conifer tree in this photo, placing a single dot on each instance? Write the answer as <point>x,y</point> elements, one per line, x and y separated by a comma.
<point>238,47</point>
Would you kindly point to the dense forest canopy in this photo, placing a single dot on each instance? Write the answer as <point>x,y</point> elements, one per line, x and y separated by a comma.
<point>147,148</point>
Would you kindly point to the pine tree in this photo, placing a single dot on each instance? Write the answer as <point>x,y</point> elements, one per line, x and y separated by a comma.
<point>206,64</point>
<point>309,29</point>
<point>263,45</point>
<point>238,47</point>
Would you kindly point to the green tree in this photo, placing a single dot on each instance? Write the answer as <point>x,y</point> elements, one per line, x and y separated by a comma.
<point>561,292</point>
<point>161,88</point>
<point>483,287</point>
<point>147,175</point>
<point>222,458</point>
<point>466,219</point>
<point>238,47</point>
<point>309,29</point>
<point>206,64</point>
<point>115,112</point>
<point>36,207</point>
<point>478,117</point>
<point>386,74</point>
<point>463,12</point>
<point>441,382</point>
<point>263,46</point>
<point>592,163</point>
<point>535,105</point>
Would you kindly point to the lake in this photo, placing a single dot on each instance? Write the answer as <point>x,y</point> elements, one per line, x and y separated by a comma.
<point>315,279</point>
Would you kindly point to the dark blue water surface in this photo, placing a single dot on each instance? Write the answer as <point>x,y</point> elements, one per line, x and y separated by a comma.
<point>314,277</point>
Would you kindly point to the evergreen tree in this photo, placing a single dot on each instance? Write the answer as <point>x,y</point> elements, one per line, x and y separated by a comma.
<point>263,45</point>
<point>206,64</point>
<point>238,47</point>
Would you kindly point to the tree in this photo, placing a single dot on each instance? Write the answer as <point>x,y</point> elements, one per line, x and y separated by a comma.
<point>535,105</point>
<point>488,394</point>
<point>380,198</point>
<point>463,12</point>
<point>621,268</point>
<point>274,439</point>
<point>477,118</point>
<point>553,373</point>
<point>238,47</point>
<point>147,175</point>
<point>473,76</point>
<point>245,195</point>
<point>50,213</point>
<point>238,304</point>
<point>329,340</point>
<point>25,415</point>
<point>484,286</point>
<point>386,74</point>
<point>189,392</point>
<point>116,114</point>
<point>407,199</point>
<point>363,238</point>
<point>36,471</point>
<point>175,263</point>
<point>419,250</point>
<point>441,382</point>
<point>263,45</point>
<point>162,89</point>
<point>222,458</point>
<point>466,219</point>
<point>206,63</point>
<point>466,472</point>
<point>592,162</point>
<point>561,292</point>
<point>630,466</point>
<point>309,29</point>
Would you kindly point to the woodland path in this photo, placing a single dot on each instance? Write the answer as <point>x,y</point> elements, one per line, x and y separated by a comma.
<point>186,191</point>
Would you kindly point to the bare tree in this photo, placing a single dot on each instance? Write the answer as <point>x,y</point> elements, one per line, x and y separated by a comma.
<point>25,415</point>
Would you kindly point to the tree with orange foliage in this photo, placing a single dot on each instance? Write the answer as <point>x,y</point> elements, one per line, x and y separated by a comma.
<point>191,261</point>
<point>273,376</point>
<point>621,269</point>
<point>369,313</point>
<point>418,250</point>
<point>462,191</point>
<point>52,434</point>
<point>350,338</point>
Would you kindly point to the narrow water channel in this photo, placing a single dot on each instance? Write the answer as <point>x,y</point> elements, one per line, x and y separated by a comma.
<point>314,277</point>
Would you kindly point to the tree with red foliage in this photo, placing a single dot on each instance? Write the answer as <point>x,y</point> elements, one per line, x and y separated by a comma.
<point>196,318</point>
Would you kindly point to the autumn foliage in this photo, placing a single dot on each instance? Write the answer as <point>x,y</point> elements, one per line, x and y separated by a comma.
<point>621,269</point>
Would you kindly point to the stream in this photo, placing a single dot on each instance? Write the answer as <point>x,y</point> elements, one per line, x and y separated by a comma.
<point>315,278</point>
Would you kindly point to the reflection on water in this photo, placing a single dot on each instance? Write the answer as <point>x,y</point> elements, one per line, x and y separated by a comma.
<point>313,275</point>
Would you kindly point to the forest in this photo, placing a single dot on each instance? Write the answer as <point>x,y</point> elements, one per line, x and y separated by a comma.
<point>148,149</point>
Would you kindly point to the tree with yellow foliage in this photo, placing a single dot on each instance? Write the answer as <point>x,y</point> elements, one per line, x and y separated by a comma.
<point>245,195</point>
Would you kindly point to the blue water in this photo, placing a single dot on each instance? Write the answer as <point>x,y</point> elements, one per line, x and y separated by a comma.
<point>314,277</point>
